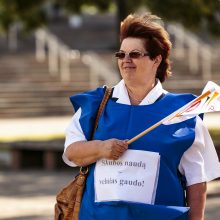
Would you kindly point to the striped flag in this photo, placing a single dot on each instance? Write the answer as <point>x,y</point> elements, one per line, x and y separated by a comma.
<point>208,101</point>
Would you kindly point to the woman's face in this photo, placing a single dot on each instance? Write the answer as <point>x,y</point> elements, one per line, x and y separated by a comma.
<point>140,71</point>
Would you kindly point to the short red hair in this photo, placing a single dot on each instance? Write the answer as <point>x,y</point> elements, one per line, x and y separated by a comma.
<point>156,39</point>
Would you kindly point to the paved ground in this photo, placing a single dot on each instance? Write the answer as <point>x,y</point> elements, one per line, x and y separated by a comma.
<point>33,128</point>
<point>49,127</point>
<point>30,195</point>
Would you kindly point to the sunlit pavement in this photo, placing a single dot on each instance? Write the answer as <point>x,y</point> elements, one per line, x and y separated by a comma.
<point>30,195</point>
<point>49,127</point>
<point>33,128</point>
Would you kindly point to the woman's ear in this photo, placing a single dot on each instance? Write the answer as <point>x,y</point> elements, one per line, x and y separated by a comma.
<point>158,60</point>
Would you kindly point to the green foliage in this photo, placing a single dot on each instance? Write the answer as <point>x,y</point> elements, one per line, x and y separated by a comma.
<point>193,14</point>
<point>30,13</point>
<point>215,134</point>
<point>127,7</point>
<point>103,5</point>
<point>75,6</point>
<point>71,6</point>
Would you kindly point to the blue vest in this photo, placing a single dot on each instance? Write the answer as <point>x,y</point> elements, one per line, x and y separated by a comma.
<point>171,141</point>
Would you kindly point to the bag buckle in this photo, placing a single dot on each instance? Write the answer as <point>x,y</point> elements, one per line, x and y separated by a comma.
<point>84,170</point>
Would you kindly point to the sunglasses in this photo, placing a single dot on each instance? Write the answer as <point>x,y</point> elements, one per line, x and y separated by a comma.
<point>132,55</point>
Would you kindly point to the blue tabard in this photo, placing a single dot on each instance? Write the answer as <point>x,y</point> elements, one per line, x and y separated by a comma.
<point>171,141</point>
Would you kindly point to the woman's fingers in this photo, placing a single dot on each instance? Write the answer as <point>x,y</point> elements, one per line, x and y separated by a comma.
<point>122,144</point>
<point>113,148</point>
<point>116,147</point>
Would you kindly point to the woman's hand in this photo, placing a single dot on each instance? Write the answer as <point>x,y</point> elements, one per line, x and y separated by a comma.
<point>83,153</point>
<point>112,149</point>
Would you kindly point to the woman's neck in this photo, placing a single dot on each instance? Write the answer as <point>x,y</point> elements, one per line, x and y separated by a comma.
<point>138,93</point>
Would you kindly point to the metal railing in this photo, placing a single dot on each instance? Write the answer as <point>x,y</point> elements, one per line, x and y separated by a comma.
<point>189,47</point>
<point>60,57</point>
<point>98,68</point>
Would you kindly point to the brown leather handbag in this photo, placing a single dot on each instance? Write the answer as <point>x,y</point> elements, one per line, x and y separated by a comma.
<point>68,200</point>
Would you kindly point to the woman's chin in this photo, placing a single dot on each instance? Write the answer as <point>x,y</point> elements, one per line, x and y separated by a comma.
<point>129,70</point>
<point>128,74</point>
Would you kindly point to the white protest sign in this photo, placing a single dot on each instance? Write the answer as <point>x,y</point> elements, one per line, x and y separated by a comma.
<point>133,177</point>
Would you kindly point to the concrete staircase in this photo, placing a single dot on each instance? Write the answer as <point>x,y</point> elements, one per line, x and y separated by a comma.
<point>98,32</point>
<point>28,90</point>
<point>184,81</point>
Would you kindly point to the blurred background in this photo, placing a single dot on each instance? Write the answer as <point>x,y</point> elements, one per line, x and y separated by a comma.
<point>52,49</point>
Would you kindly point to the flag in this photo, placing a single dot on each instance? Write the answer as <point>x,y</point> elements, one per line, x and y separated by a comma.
<point>208,101</point>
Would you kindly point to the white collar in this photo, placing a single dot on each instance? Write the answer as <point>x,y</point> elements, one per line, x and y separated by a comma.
<point>120,92</point>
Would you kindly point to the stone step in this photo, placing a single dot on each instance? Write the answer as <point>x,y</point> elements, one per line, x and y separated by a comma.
<point>50,86</point>
<point>28,90</point>
<point>45,94</point>
<point>184,86</point>
<point>89,38</point>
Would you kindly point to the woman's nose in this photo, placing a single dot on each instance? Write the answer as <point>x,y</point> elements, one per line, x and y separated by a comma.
<point>127,58</point>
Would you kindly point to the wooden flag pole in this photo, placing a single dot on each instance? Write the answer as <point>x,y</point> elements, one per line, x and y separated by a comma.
<point>169,117</point>
<point>144,132</point>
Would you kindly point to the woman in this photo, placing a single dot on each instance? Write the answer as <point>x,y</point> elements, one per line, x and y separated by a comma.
<point>148,178</point>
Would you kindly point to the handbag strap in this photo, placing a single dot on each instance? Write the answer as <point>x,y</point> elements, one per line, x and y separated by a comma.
<point>108,91</point>
<point>105,98</point>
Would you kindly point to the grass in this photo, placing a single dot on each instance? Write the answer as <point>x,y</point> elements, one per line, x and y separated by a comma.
<point>37,137</point>
<point>215,134</point>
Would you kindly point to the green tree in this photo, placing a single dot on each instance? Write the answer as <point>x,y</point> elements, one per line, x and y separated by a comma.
<point>29,13</point>
<point>193,14</point>
<point>75,6</point>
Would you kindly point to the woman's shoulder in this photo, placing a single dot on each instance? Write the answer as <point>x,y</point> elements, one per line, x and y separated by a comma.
<point>177,100</point>
<point>92,97</point>
<point>181,97</point>
<point>96,93</point>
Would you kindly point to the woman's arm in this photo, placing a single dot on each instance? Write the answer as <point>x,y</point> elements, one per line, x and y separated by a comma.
<point>84,153</point>
<point>196,199</point>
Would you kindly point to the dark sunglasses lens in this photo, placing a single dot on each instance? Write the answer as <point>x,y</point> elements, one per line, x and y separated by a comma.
<point>134,55</point>
<point>120,55</point>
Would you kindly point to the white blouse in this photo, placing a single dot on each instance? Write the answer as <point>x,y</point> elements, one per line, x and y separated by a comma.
<point>199,163</point>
